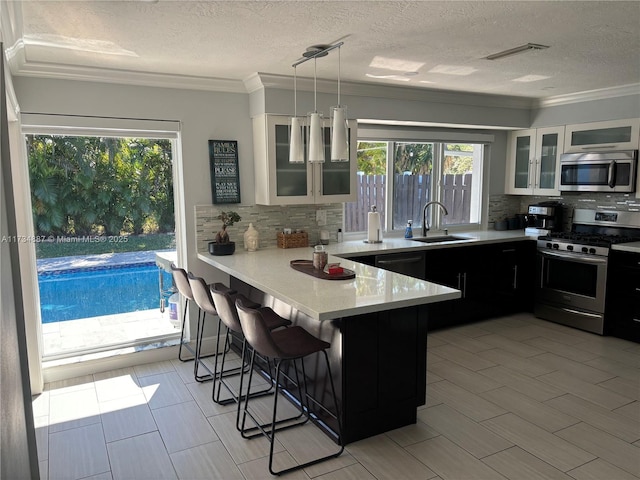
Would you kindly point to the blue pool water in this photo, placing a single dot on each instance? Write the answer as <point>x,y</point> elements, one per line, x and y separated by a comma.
<point>83,293</point>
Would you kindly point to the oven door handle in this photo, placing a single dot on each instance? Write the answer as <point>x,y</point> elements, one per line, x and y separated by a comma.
<point>575,257</point>
<point>578,312</point>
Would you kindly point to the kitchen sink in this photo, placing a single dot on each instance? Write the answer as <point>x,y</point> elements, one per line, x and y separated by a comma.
<point>440,239</point>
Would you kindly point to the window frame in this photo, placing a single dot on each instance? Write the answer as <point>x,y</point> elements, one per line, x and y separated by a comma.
<point>392,134</point>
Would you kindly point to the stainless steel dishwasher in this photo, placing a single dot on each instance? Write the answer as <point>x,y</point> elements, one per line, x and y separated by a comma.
<point>412,264</point>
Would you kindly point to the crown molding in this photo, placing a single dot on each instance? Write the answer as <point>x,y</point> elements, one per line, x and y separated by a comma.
<point>394,92</point>
<point>590,95</point>
<point>126,77</point>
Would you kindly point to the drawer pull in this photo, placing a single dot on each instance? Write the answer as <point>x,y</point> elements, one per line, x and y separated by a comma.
<point>636,320</point>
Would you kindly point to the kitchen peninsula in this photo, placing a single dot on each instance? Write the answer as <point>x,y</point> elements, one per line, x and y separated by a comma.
<point>376,324</point>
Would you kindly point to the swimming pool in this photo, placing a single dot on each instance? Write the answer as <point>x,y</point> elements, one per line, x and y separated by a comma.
<point>91,292</point>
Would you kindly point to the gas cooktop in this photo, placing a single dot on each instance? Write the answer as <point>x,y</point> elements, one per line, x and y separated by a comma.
<point>594,239</point>
<point>594,231</point>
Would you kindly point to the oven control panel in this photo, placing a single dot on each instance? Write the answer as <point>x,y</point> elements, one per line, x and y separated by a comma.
<point>573,248</point>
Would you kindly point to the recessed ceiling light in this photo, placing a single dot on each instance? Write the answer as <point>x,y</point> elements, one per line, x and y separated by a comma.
<point>395,64</point>
<point>516,50</point>
<point>453,70</point>
<point>530,78</point>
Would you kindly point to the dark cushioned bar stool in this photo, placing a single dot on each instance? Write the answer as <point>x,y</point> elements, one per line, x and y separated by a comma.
<point>228,313</point>
<point>283,346</point>
<point>202,296</point>
<point>181,281</point>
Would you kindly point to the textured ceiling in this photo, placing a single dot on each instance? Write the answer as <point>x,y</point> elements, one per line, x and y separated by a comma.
<point>593,44</point>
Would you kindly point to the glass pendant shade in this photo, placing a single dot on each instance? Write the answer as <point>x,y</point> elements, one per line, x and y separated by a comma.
<point>316,143</point>
<point>296,145</point>
<point>339,134</point>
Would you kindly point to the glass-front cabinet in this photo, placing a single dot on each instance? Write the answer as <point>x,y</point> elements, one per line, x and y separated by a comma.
<point>604,136</point>
<point>533,162</point>
<point>278,182</point>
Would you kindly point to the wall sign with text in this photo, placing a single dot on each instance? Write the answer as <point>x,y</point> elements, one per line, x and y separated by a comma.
<point>225,178</point>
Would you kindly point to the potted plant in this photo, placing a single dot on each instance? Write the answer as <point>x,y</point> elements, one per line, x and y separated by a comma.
<point>222,245</point>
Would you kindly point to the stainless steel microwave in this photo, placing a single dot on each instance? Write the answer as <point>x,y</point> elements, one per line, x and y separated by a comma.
<point>599,171</point>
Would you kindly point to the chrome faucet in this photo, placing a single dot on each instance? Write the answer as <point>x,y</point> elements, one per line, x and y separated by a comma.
<point>425,229</point>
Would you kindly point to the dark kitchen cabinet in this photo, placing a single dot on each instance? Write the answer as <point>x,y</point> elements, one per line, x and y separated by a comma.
<point>511,276</point>
<point>494,279</point>
<point>462,269</point>
<point>622,311</point>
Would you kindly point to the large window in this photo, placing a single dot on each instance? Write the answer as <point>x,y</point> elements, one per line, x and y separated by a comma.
<point>400,177</point>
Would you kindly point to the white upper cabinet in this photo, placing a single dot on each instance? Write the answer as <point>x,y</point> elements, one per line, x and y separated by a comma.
<point>611,135</point>
<point>533,161</point>
<point>279,182</point>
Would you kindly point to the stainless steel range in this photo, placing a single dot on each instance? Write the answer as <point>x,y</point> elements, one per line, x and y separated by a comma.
<point>572,267</point>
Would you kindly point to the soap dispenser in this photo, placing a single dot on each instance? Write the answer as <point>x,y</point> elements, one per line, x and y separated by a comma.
<point>408,233</point>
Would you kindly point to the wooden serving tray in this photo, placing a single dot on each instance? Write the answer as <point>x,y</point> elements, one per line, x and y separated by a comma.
<point>306,266</point>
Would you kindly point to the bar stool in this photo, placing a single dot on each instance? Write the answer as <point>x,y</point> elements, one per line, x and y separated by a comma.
<point>227,312</point>
<point>282,346</point>
<point>202,296</point>
<point>181,281</point>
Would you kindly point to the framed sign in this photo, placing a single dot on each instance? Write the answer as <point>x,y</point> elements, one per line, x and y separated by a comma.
<point>225,178</point>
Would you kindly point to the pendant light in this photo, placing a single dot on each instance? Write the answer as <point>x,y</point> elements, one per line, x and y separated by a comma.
<point>339,128</point>
<point>296,146</point>
<point>315,122</point>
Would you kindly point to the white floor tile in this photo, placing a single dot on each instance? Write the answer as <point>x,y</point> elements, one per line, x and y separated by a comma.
<point>126,417</point>
<point>164,389</point>
<point>140,457</point>
<point>450,461</point>
<point>77,453</point>
<point>386,460</point>
<point>183,426</point>
<point>210,461</point>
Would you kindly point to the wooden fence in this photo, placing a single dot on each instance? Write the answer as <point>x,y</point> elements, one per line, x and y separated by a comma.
<point>410,194</point>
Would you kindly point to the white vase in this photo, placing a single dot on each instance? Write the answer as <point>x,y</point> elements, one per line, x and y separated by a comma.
<point>251,239</point>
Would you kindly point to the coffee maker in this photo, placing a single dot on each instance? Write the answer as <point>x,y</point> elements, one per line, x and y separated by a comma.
<point>543,218</point>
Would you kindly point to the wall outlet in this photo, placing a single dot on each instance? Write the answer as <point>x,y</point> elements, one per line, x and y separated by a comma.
<point>321,217</point>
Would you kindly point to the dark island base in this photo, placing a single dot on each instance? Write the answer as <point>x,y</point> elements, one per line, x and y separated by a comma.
<point>378,362</point>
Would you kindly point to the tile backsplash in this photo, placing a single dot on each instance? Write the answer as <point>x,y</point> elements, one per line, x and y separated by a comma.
<point>268,220</point>
<point>504,206</point>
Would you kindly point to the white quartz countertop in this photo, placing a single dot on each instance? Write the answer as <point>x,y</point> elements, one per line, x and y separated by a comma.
<point>397,244</point>
<point>372,289</point>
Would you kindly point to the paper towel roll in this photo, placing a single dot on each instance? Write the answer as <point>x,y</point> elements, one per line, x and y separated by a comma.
<point>374,233</point>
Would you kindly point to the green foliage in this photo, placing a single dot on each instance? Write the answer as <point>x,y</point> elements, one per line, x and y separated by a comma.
<point>458,164</point>
<point>416,158</point>
<point>97,185</point>
<point>372,158</point>
<point>228,219</point>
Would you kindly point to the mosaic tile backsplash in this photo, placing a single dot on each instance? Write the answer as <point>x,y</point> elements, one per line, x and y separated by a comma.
<point>505,206</point>
<point>268,220</point>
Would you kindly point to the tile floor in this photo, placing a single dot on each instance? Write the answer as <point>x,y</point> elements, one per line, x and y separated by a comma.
<point>514,397</point>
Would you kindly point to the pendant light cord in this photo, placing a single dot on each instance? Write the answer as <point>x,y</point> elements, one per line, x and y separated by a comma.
<point>295,91</point>
<point>339,76</point>
<point>315,87</point>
